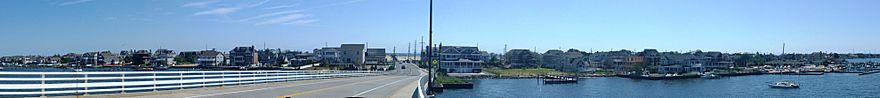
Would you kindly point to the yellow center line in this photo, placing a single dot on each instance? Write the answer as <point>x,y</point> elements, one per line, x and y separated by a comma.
<point>316,90</point>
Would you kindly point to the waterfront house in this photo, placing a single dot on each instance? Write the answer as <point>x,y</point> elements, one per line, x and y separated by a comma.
<point>270,57</point>
<point>99,58</point>
<point>522,58</point>
<point>188,57</point>
<point>554,58</point>
<point>211,58</point>
<point>461,59</point>
<point>139,57</point>
<point>163,57</point>
<point>243,56</point>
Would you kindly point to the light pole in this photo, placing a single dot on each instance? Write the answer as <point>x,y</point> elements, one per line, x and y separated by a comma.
<point>430,49</point>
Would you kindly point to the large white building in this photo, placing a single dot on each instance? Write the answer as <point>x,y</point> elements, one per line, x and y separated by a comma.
<point>461,59</point>
<point>345,55</point>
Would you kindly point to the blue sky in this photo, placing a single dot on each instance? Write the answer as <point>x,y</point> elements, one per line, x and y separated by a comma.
<point>44,27</point>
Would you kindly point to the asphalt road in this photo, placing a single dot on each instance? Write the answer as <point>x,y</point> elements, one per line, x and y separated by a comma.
<point>398,83</point>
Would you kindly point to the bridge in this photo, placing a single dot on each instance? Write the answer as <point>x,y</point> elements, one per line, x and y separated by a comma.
<point>399,83</point>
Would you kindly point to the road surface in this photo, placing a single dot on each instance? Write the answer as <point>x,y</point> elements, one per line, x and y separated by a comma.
<point>400,83</point>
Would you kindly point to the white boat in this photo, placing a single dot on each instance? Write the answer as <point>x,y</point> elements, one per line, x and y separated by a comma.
<point>710,76</point>
<point>784,84</point>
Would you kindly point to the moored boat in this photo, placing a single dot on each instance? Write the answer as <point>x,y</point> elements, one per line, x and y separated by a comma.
<point>784,84</point>
<point>559,79</point>
<point>710,76</point>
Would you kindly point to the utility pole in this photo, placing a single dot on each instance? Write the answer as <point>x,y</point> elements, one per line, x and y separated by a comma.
<point>430,42</point>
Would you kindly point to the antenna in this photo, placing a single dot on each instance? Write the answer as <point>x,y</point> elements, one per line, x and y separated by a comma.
<point>505,49</point>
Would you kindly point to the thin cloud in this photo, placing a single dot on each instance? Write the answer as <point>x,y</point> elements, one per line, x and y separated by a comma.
<point>340,3</point>
<point>218,11</point>
<point>281,6</point>
<point>284,19</point>
<point>259,4</point>
<point>202,4</point>
<point>303,22</point>
<point>74,2</point>
<point>223,10</point>
<point>270,15</point>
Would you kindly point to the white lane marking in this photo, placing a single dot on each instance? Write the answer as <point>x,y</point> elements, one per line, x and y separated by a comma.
<point>359,94</point>
<point>215,94</point>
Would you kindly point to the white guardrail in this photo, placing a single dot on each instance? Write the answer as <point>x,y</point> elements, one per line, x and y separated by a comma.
<point>74,83</point>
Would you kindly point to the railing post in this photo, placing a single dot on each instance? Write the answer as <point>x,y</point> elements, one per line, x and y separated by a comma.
<point>86,82</point>
<point>123,83</point>
<point>42,85</point>
<point>154,82</point>
<point>267,76</point>
<point>222,78</point>
<point>239,77</point>
<point>204,79</point>
<point>181,80</point>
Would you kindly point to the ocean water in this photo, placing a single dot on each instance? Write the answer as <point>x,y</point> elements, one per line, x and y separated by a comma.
<point>830,85</point>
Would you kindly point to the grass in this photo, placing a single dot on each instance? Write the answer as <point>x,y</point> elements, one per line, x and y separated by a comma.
<point>525,72</point>
<point>448,80</point>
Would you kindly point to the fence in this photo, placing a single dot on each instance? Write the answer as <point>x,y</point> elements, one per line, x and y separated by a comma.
<point>76,83</point>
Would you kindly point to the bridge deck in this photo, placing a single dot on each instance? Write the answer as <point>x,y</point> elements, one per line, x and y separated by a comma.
<point>396,84</point>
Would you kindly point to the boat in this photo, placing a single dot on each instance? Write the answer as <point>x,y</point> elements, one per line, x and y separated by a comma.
<point>77,70</point>
<point>146,69</point>
<point>784,84</point>
<point>710,76</point>
<point>560,79</point>
<point>808,73</point>
<point>870,72</point>
<point>1,68</point>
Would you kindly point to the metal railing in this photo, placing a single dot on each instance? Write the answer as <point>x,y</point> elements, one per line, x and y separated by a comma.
<point>76,83</point>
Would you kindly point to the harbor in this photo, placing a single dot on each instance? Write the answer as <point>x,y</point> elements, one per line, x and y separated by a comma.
<point>829,85</point>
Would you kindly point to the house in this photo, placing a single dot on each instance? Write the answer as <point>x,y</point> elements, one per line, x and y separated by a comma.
<point>353,54</point>
<point>328,55</point>
<point>243,56</point>
<point>163,57</point>
<point>461,59</point>
<point>188,57</point>
<point>270,57</point>
<point>211,58</point>
<point>139,57</point>
<point>99,58</point>
<point>520,58</point>
<point>553,59</point>
<point>375,56</point>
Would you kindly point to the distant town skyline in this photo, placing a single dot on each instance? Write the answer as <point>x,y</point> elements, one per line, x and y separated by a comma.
<point>46,27</point>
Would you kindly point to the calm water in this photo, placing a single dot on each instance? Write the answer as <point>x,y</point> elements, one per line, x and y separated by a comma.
<point>830,85</point>
<point>864,60</point>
